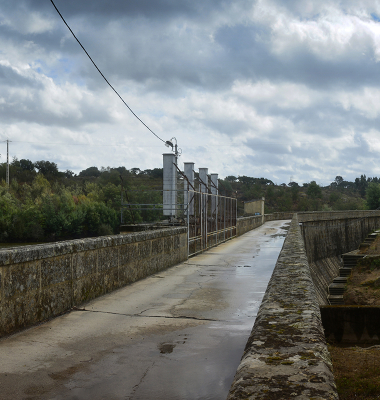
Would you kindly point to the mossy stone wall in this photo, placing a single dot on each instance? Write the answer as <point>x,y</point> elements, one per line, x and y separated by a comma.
<point>41,281</point>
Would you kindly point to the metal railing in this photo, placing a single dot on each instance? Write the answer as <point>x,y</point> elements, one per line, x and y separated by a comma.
<point>210,218</point>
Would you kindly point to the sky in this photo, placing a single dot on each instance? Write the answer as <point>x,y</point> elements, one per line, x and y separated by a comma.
<point>286,90</point>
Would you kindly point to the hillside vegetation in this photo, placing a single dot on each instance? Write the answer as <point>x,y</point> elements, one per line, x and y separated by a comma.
<point>45,204</point>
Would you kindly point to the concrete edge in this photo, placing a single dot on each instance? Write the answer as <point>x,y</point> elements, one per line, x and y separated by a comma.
<point>286,356</point>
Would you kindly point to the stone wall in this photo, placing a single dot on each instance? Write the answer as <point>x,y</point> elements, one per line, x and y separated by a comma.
<point>329,215</point>
<point>246,224</point>
<point>323,273</point>
<point>41,281</point>
<point>332,237</point>
<point>286,356</point>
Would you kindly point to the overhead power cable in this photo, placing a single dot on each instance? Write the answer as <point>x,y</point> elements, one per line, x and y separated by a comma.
<point>100,72</point>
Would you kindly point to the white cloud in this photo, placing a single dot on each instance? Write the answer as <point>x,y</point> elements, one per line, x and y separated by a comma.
<point>263,88</point>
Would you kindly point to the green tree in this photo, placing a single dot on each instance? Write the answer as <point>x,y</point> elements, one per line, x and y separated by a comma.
<point>47,168</point>
<point>92,171</point>
<point>314,190</point>
<point>373,196</point>
<point>27,165</point>
<point>338,180</point>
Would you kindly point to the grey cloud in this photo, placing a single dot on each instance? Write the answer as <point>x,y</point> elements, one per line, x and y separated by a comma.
<point>155,10</point>
<point>10,78</point>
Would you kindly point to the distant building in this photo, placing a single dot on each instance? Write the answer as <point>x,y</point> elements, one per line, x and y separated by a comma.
<point>254,207</point>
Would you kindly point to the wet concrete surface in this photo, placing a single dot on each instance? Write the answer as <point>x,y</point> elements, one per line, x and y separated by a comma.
<point>177,335</point>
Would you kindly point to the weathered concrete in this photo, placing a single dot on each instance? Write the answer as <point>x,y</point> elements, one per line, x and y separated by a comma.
<point>254,206</point>
<point>176,335</point>
<point>41,281</point>
<point>326,238</point>
<point>286,355</point>
<point>323,273</point>
<point>246,224</point>
<point>351,324</point>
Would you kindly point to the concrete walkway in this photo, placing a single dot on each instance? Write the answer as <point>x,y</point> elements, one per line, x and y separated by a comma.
<point>178,335</point>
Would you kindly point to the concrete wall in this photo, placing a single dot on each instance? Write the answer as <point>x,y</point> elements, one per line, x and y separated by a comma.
<point>323,273</point>
<point>246,224</point>
<point>42,281</point>
<point>329,237</point>
<point>286,356</point>
<point>329,215</point>
<point>254,206</point>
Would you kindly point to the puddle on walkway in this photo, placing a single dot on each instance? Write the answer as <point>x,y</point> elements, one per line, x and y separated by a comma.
<point>198,362</point>
<point>204,367</point>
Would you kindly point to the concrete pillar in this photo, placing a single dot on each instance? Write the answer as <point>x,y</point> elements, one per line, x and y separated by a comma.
<point>262,205</point>
<point>170,185</point>
<point>189,173</point>
<point>214,191</point>
<point>203,174</point>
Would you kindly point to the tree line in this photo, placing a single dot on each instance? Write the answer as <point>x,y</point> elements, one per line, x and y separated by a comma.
<point>45,204</point>
<point>340,194</point>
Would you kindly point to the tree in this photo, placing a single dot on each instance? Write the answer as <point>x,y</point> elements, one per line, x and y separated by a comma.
<point>26,165</point>
<point>294,190</point>
<point>246,180</point>
<point>156,173</point>
<point>361,184</point>
<point>91,171</point>
<point>231,178</point>
<point>47,168</point>
<point>373,196</point>
<point>338,180</point>
<point>314,190</point>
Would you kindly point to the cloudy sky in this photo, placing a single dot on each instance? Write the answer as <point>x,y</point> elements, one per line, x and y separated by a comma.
<point>281,89</point>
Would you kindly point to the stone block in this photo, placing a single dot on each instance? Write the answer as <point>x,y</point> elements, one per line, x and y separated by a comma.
<point>108,258</point>
<point>55,299</point>
<point>144,249</point>
<point>56,270</point>
<point>84,263</point>
<point>157,246</point>
<point>168,245</point>
<point>126,273</point>
<point>20,279</point>
<point>127,254</point>
<point>111,279</point>
<point>87,288</point>
<point>19,312</point>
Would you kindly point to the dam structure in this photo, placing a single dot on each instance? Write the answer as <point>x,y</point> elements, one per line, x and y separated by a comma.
<point>286,354</point>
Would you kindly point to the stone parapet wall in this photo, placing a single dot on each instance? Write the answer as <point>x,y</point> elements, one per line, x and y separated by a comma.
<point>329,215</point>
<point>278,216</point>
<point>326,238</point>
<point>41,281</point>
<point>246,224</point>
<point>286,356</point>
